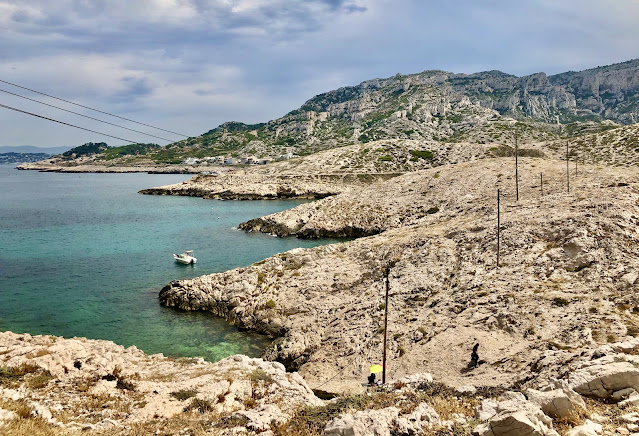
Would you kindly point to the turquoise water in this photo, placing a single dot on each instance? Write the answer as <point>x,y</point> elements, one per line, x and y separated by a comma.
<point>86,255</point>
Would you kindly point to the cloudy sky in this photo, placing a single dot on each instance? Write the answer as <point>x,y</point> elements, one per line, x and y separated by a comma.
<point>189,65</point>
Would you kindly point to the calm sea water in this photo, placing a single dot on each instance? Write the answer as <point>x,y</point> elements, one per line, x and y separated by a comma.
<point>86,255</point>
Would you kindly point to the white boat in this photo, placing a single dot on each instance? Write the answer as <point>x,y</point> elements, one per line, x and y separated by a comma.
<point>185,258</point>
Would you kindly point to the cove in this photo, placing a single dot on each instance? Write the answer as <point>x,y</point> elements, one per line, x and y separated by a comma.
<point>86,255</point>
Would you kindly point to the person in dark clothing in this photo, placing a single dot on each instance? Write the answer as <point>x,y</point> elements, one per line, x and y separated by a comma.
<point>371,379</point>
<point>474,357</point>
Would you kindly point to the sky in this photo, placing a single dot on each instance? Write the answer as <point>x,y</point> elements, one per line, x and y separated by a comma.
<point>189,65</point>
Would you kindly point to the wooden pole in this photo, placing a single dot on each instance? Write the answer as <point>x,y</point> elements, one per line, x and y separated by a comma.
<point>567,168</point>
<point>498,228</point>
<point>541,177</point>
<point>516,168</point>
<point>386,273</point>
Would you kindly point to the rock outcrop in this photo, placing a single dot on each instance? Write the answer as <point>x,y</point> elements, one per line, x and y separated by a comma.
<point>105,385</point>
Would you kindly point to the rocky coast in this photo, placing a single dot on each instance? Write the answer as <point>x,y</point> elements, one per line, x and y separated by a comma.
<point>57,167</point>
<point>56,386</point>
<point>566,278</point>
<point>555,321</point>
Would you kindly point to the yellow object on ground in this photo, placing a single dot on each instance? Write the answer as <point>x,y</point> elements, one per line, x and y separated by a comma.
<point>376,368</point>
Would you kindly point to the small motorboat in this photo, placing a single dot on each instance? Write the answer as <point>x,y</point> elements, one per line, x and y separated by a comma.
<point>185,258</point>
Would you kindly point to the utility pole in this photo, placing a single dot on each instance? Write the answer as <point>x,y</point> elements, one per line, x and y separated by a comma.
<point>516,167</point>
<point>498,228</point>
<point>386,273</point>
<point>567,168</point>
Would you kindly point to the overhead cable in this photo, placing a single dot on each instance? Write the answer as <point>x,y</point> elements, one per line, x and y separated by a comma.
<point>66,124</point>
<point>93,109</point>
<point>85,116</point>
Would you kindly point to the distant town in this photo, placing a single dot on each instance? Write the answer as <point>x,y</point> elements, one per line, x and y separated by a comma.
<point>242,160</point>
<point>12,158</point>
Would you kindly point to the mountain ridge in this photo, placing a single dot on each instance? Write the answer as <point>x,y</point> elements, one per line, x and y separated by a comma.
<point>433,105</point>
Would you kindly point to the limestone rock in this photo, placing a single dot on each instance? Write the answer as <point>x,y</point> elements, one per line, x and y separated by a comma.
<point>517,424</point>
<point>513,415</point>
<point>558,403</point>
<point>589,428</point>
<point>363,423</point>
<point>601,380</point>
<point>7,415</point>
<point>423,416</point>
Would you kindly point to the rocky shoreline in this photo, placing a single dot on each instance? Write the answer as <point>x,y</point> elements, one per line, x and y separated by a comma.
<point>53,385</point>
<point>569,264</point>
<point>246,185</point>
<point>43,166</point>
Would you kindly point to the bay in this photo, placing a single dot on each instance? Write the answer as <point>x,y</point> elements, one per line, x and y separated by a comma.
<point>86,255</point>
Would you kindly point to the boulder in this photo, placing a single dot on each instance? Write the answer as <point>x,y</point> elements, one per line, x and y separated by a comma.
<point>589,428</point>
<point>517,424</point>
<point>260,419</point>
<point>363,423</point>
<point>7,415</point>
<point>558,403</point>
<point>513,415</point>
<point>632,400</point>
<point>602,380</point>
<point>423,416</point>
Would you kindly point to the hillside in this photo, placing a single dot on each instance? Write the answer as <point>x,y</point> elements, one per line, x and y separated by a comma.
<point>432,106</point>
<point>568,267</point>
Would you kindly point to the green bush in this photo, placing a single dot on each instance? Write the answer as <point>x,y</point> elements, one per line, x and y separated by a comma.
<point>184,394</point>
<point>421,154</point>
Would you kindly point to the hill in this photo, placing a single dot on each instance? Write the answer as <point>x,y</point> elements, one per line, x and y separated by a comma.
<point>483,108</point>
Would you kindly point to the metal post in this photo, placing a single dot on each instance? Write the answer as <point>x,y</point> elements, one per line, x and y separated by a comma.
<point>386,273</point>
<point>498,228</point>
<point>567,168</point>
<point>516,168</point>
<point>541,177</point>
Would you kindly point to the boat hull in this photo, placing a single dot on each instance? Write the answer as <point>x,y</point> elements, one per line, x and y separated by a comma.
<point>184,261</point>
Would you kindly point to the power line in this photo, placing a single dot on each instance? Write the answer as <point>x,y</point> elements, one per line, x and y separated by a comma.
<point>90,108</point>
<point>66,124</point>
<point>85,116</point>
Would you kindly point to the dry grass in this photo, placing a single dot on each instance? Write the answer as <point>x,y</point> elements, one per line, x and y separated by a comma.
<point>85,384</point>
<point>41,352</point>
<point>196,425</point>
<point>26,424</point>
<point>12,376</point>
<point>33,427</point>
<point>39,379</point>
<point>310,421</point>
<point>162,378</point>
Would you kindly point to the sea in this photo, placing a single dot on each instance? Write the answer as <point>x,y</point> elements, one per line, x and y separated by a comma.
<point>85,255</point>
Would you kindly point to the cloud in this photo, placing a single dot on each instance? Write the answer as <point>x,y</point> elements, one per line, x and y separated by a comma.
<point>193,64</point>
